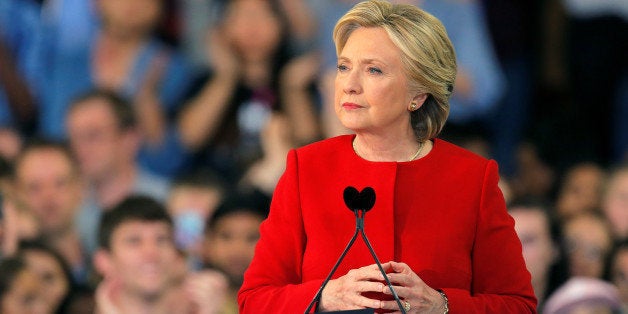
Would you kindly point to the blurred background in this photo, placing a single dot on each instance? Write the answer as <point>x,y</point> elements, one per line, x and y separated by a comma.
<point>196,103</point>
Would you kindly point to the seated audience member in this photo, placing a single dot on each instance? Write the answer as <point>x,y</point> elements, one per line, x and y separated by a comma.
<point>20,290</point>
<point>51,270</point>
<point>588,242</point>
<point>615,202</point>
<point>231,235</point>
<point>142,268</point>
<point>104,136</point>
<point>582,295</point>
<point>539,243</point>
<point>618,272</point>
<point>192,200</point>
<point>47,184</point>
<point>581,190</point>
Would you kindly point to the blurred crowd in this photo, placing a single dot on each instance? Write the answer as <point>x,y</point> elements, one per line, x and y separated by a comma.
<point>140,141</point>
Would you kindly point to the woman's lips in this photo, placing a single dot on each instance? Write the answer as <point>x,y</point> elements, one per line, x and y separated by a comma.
<point>350,106</point>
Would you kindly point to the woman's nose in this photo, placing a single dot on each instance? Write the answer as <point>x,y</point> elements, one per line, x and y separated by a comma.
<point>352,82</point>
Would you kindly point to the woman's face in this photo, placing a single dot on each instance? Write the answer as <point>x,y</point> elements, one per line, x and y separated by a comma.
<point>50,275</point>
<point>131,17</point>
<point>371,89</point>
<point>253,29</point>
<point>24,296</point>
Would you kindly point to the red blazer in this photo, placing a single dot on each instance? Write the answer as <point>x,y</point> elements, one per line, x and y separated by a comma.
<point>443,215</point>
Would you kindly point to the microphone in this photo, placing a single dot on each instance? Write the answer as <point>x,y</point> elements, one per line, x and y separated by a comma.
<point>359,203</point>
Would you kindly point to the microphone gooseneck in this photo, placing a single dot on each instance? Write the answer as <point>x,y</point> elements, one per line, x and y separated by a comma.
<point>359,203</point>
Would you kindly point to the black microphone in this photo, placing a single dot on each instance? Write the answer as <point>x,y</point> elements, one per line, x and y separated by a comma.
<point>359,203</point>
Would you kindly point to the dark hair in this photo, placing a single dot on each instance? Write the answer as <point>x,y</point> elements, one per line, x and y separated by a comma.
<point>133,208</point>
<point>120,107</point>
<point>10,268</point>
<point>254,203</point>
<point>200,178</point>
<point>39,245</point>
<point>36,144</point>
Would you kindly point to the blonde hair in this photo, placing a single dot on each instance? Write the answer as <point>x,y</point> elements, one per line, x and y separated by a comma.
<point>427,55</point>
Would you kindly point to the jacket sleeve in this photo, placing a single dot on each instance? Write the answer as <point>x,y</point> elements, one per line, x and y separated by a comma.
<point>272,283</point>
<point>501,282</point>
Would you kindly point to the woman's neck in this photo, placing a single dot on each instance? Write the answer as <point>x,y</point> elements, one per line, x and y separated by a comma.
<point>376,148</point>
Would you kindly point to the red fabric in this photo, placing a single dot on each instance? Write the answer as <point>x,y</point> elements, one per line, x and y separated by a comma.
<point>442,214</point>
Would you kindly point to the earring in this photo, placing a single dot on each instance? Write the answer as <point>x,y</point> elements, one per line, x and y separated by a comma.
<point>413,106</point>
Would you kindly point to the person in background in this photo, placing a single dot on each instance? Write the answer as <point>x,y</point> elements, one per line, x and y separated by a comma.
<point>253,75</point>
<point>230,238</point>
<point>588,242</point>
<point>142,270</point>
<point>47,184</point>
<point>20,37</point>
<point>581,190</point>
<point>541,246</point>
<point>192,200</point>
<point>52,272</point>
<point>440,222</point>
<point>20,290</point>
<point>122,54</point>
<point>104,136</point>
<point>584,295</point>
<point>615,202</point>
<point>618,272</point>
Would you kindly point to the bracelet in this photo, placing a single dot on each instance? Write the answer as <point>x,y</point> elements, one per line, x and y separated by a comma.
<point>446,305</point>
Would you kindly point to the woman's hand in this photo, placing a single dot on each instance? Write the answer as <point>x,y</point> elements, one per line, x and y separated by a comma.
<point>345,293</point>
<point>410,288</point>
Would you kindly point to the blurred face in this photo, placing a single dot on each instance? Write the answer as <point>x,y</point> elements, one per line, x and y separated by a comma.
<point>24,296</point>
<point>231,245</point>
<point>253,28</point>
<point>615,205</point>
<point>619,274</point>
<point>50,275</point>
<point>130,17</point>
<point>371,89</point>
<point>143,257</point>
<point>588,243</point>
<point>538,249</point>
<point>580,191</point>
<point>48,186</point>
<point>95,138</point>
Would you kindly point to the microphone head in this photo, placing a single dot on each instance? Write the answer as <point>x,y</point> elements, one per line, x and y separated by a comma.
<point>363,200</point>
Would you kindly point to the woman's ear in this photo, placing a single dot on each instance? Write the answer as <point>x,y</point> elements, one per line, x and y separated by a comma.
<point>420,99</point>
<point>417,101</point>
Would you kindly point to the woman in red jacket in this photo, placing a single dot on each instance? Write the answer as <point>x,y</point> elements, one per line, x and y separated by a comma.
<point>439,221</point>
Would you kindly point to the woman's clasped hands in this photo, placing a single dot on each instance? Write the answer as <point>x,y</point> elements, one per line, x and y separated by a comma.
<point>347,292</point>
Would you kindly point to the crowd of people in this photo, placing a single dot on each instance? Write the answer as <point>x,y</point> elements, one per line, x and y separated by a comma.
<point>141,141</point>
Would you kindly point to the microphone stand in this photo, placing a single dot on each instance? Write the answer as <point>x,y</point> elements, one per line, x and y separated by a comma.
<point>359,228</point>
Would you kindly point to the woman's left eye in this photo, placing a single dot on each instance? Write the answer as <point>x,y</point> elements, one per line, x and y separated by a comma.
<point>374,70</point>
